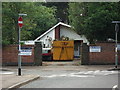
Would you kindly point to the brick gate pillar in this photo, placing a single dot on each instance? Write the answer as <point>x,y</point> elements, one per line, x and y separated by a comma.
<point>38,54</point>
<point>84,54</point>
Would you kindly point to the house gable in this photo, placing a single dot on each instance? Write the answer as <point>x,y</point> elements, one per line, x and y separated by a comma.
<point>60,23</point>
<point>59,30</point>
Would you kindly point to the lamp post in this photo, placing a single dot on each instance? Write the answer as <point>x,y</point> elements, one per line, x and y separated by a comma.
<point>116,48</point>
<point>20,23</point>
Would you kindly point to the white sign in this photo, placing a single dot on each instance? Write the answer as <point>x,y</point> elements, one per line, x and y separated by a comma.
<point>118,47</point>
<point>95,48</point>
<point>29,42</point>
<point>25,52</point>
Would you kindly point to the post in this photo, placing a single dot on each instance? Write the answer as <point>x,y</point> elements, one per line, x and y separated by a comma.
<point>19,56</point>
<point>20,23</point>
<point>116,48</point>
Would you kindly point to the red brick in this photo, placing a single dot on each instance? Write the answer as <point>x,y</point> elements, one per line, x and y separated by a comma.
<point>10,54</point>
<point>106,56</point>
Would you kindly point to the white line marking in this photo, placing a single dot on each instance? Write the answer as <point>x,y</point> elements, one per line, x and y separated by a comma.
<point>82,74</point>
<point>2,72</point>
<point>114,87</point>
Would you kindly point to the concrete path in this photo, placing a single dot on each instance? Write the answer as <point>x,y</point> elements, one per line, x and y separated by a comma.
<point>11,80</point>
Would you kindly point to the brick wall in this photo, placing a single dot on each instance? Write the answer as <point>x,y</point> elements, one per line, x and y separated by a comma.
<point>10,55</point>
<point>84,54</point>
<point>106,56</point>
<point>57,32</point>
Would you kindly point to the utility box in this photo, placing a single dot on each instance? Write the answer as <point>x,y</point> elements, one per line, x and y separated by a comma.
<point>63,50</point>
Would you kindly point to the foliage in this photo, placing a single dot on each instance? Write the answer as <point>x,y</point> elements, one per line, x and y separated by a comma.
<point>77,14</point>
<point>94,19</point>
<point>88,18</point>
<point>39,18</point>
<point>61,12</point>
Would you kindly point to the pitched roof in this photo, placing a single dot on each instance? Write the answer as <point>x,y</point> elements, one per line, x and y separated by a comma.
<point>60,23</point>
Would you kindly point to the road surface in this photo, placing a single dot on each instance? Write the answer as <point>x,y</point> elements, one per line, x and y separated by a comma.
<point>73,79</point>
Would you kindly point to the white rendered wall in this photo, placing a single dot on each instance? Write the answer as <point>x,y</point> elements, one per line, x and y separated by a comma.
<point>67,32</point>
<point>50,34</point>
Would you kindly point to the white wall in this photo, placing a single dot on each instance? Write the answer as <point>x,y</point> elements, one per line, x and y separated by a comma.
<point>50,34</point>
<point>67,32</point>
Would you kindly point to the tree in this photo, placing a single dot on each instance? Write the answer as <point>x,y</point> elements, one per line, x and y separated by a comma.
<point>77,15</point>
<point>95,20</point>
<point>44,18</point>
<point>99,20</point>
<point>61,10</point>
<point>39,18</point>
<point>9,20</point>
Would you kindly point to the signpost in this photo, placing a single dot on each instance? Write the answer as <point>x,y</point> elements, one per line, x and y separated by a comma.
<point>20,23</point>
<point>116,47</point>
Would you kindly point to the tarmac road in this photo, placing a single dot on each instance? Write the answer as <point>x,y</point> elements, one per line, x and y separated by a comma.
<point>91,76</point>
<point>73,82</point>
<point>73,79</point>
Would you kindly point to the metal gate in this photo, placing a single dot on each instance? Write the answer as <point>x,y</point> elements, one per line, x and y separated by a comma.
<point>63,50</point>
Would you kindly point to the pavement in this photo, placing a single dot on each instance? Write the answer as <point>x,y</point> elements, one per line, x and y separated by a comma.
<point>9,79</point>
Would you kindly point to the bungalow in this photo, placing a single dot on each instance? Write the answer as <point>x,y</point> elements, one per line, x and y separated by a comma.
<point>59,31</point>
